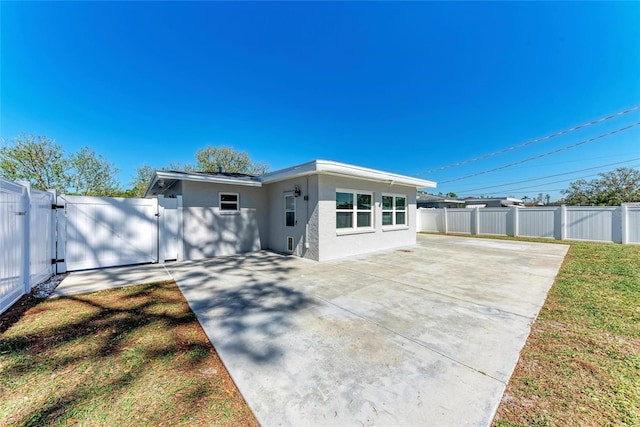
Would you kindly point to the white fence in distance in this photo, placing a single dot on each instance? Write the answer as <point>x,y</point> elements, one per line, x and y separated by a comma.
<point>618,224</point>
<point>27,240</point>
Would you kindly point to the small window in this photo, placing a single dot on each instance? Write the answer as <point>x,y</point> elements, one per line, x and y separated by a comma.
<point>290,210</point>
<point>394,210</point>
<point>289,244</point>
<point>353,209</point>
<point>229,202</point>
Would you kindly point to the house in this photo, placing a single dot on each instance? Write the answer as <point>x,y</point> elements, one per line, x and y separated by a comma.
<point>492,202</point>
<point>426,200</point>
<point>319,210</point>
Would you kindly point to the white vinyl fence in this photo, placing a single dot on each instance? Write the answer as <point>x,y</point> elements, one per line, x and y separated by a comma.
<point>107,232</point>
<point>619,224</point>
<point>27,240</point>
<point>41,235</point>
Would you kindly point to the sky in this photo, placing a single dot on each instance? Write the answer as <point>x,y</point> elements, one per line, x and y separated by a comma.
<point>404,87</point>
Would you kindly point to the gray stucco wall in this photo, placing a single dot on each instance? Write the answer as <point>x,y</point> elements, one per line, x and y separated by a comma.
<point>306,212</point>
<point>336,244</point>
<point>208,232</point>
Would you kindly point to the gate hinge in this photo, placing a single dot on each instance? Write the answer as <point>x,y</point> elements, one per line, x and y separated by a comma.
<point>55,261</point>
<point>54,206</point>
<point>21,213</point>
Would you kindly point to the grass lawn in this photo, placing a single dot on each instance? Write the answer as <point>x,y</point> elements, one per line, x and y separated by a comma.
<point>128,356</point>
<point>581,363</point>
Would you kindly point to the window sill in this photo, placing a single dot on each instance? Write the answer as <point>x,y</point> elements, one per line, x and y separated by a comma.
<point>229,212</point>
<point>348,231</point>
<point>395,228</point>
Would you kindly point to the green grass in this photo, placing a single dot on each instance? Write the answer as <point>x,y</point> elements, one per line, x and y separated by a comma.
<point>581,363</point>
<point>129,356</point>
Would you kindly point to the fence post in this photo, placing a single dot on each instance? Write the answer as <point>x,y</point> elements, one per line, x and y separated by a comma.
<point>624,224</point>
<point>26,247</point>
<point>475,221</point>
<point>515,213</point>
<point>180,230</point>
<point>54,231</point>
<point>560,226</point>
<point>445,221</point>
<point>161,227</point>
<point>61,234</point>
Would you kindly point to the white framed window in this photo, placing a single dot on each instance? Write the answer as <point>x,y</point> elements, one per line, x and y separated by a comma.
<point>289,210</point>
<point>394,210</point>
<point>229,202</point>
<point>354,209</point>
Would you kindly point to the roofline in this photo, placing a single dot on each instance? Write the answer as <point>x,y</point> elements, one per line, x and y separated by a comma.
<point>342,169</point>
<point>216,179</point>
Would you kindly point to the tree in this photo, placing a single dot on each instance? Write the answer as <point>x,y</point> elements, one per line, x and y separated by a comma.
<point>208,159</point>
<point>611,189</point>
<point>183,167</point>
<point>141,180</point>
<point>92,175</point>
<point>42,162</point>
<point>214,159</point>
<point>36,159</point>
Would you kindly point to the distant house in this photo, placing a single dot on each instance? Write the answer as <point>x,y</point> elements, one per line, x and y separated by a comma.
<point>426,200</point>
<point>319,210</point>
<point>492,202</point>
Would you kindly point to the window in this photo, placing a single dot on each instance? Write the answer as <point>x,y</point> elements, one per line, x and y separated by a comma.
<point>353,209</point>
<point>394,210</point>
<point>289,210</point>
<point>229,202</point>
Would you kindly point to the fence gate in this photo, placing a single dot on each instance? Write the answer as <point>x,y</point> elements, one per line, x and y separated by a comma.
<point>106,232</point>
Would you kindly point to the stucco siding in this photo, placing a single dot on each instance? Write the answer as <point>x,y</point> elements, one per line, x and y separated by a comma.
<point>334,243</point>
<point>305,213</point>
<point>209,232</point>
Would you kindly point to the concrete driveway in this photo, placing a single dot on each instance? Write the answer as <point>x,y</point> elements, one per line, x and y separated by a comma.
<point>424,335</point>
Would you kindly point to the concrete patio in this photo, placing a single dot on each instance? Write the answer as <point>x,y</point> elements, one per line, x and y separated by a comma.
<point>423,335</point>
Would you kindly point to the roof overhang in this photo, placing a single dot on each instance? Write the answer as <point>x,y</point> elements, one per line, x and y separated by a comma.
<point>342,169</point>
<point>163,180</point>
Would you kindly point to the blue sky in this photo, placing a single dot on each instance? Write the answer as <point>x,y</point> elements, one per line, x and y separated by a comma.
<point>402,87</point>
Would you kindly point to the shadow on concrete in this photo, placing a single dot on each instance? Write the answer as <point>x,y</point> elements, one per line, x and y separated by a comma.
<point>247,297</point>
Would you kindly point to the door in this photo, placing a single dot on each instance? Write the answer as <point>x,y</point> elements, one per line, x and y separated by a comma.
<point>290,220</point>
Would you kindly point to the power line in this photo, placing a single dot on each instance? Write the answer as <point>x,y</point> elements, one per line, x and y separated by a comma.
<point>531,142</point>
<point>548,176</point>
<point>537,186</point>
<point>544,154</point>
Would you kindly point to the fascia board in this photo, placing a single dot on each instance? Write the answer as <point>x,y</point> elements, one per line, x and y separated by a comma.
<point>202,178</point>
<point>342,169</point>
<point>172,176</point>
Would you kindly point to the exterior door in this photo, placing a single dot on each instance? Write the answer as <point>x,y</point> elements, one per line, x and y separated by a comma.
<point>290,221</point>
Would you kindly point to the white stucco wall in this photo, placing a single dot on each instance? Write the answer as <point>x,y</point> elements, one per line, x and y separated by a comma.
<point>335,244</point>
<point>208,232</point>
<point>306,213</point>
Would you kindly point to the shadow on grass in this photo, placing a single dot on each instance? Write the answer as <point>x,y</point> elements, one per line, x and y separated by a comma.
<point>110,357</point>
<point>17,311</point>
